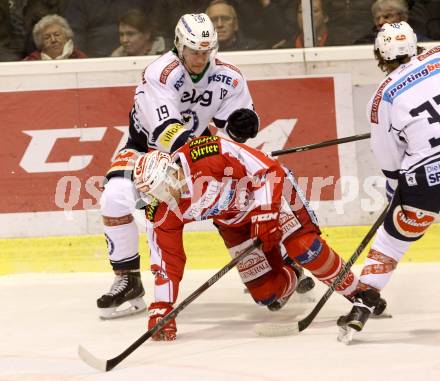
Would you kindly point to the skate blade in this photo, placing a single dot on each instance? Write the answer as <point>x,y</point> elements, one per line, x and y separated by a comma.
<point>384,315</point>
<point>137,305</point>
<point>345,334</point>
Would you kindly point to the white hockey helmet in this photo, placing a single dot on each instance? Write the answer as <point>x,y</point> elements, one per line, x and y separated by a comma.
<point>153,175</point>
<point>195,31</point>
<point>396,40</point>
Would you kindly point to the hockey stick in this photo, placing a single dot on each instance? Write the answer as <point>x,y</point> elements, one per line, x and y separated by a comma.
<point>106,365</point>
<point>320,145</point>
<point>293,329</point>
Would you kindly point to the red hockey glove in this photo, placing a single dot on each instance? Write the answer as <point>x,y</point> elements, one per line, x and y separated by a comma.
<point>266,228</point>
<point>157,311</point>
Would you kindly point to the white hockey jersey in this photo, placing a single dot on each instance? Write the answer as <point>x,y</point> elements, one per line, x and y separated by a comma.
<point>405,115</point>
<point>167,98</point>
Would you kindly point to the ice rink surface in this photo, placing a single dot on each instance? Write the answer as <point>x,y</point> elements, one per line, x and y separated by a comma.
<point>44,317</point>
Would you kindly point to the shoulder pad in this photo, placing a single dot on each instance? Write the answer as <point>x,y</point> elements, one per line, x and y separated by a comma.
<point>228,65</point>
<point>167,71</point>
<point>160,69</point>
<point>430,52</point>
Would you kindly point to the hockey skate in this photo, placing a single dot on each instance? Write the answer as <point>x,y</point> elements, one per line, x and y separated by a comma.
<point>127,287</point>
<point>381,311</point>
<point>280,303</point>
<point>304,284</point>
<point>365,303</point>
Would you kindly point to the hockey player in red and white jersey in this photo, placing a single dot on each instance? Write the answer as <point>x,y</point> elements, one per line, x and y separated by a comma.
<point>405,137</point>
<point>179,95</point>
<point>249,195</point>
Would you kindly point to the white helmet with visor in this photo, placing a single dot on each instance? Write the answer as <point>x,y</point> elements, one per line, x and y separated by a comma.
<point>196,32</point>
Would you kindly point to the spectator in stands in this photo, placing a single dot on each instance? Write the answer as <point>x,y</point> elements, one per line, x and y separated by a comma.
<point>349,20</point>
<point>265,20</point>
<point>27,13</point>
<point>53,38</point>
<point>225,20</point>
<point>320,30</point>
<point>387,11</point>
<point>17,32</point>
<point>136,36</point>
<point>425,18</point>
<point>95,22</point>
<point>8,52</point>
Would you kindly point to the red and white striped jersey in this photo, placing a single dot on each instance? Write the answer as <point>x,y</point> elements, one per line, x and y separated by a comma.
<point>226,181</point>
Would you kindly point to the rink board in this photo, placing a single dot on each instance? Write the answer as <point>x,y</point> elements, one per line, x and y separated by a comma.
<point>205,250</point>
<point>53,162</point>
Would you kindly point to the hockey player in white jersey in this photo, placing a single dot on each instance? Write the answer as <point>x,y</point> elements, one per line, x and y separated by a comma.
<point>180,93</point>
<point>405,137</point>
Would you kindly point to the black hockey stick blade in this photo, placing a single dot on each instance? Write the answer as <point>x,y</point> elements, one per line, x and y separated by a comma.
<point>273,329</point>
<point>106,365</point>
<point>327,143</point>
<point>304,323</point>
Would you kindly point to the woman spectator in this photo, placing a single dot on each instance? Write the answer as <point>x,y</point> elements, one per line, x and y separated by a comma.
<point>26,13</point>
<point>53,39</point>
<point>136,36</point>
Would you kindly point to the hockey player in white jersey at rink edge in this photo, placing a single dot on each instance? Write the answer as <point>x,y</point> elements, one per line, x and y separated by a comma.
<point>180,93</point>
<point>404,114</point>
<point>249,196</point>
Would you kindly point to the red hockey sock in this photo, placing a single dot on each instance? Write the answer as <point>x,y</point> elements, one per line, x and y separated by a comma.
<point>312,252</point>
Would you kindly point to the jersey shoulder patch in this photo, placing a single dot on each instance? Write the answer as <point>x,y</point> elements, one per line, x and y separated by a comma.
<point>374,113</point>
<point>429,53</point>
<point>167,71</point>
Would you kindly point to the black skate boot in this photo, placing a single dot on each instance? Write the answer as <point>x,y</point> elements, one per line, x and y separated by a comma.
<point>279,303</point>
<point>127,287</point>
<point>303,285</point>
<point>380,310</point>
<point>364,305</point>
